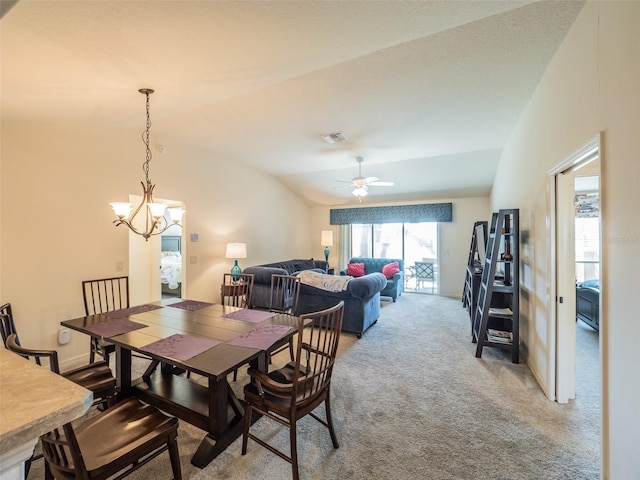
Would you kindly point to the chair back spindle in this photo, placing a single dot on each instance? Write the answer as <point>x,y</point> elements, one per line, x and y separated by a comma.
<point>105,295</point>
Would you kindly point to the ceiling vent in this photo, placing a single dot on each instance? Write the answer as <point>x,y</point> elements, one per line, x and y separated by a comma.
<point>335,137</point>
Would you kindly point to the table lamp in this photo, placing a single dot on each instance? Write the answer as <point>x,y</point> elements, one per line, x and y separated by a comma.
<point>326,240</point>
<point>236,251</point>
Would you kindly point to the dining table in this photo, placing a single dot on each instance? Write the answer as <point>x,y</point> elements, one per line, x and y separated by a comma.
<point>210,340</point>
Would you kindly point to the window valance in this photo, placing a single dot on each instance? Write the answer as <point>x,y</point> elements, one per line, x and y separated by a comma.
<point>429,212</point>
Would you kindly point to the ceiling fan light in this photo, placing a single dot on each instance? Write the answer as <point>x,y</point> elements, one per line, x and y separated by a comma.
<point>360,192</point>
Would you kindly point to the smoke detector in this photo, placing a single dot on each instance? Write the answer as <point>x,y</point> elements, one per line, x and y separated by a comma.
<point>336,137</point>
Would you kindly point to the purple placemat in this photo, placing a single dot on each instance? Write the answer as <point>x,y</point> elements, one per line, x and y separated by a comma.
<point>249,315</point>
<point>261,337</point>
<point>190,305</point>
<point>180,347</point>
<point>126,312</point>
<point>113,327</point>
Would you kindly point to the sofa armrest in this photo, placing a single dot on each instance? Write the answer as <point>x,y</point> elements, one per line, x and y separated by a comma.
<point>367,286</point>
<point>263,274</point>
<point>398,277</point>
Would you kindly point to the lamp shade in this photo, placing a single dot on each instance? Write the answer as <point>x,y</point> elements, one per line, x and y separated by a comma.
<point>236,250</point>
<point>326,239</point>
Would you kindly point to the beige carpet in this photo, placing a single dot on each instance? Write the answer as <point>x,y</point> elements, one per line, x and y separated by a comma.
<point>411,401</point>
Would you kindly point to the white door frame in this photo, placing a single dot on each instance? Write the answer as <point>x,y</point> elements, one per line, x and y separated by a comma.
<point>562,281</point>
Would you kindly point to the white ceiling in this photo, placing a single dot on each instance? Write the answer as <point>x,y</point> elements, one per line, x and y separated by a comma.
<point>426,91</point>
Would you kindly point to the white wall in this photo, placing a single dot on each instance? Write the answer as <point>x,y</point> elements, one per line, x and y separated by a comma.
<point>56,231</point>
<point>590,86</point>
<point>454,238</point>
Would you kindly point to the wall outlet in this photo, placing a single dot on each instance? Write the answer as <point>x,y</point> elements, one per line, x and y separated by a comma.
<point>120,266</point>
<point>193,259</point>
<point>64,336</point>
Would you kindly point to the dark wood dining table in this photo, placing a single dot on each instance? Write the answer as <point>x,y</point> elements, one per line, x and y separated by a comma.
<point>211,340</point>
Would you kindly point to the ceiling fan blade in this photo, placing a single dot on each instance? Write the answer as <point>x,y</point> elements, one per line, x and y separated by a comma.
<point>370,180</point>
<point>381,184</point>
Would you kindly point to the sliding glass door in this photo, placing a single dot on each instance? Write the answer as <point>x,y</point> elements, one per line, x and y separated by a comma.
<point>416,243</point>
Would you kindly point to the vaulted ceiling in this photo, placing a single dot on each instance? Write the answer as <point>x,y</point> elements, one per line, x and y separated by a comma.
<point>426,91</point>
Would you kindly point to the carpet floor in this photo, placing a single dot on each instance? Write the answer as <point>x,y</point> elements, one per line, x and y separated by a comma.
<point>411,401</point>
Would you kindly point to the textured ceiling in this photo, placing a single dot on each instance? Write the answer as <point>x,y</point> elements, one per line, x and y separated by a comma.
<point>426,91</point>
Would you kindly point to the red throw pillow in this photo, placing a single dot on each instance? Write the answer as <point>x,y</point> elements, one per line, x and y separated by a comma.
<point>390,269</point>
<point>355,269</point>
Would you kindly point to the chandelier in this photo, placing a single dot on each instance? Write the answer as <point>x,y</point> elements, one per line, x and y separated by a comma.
<point>155,222</point>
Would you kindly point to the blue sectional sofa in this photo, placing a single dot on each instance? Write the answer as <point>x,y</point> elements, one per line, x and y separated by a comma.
<point>361,301</point>
<point>361,297</point>
<point>394,286</point>
<point>262,276</point>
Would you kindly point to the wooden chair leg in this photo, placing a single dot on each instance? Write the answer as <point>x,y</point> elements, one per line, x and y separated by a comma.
<point>332,432</point>
<point>47,471</point>
<point>248,411</point>
<point>174,455</point>
<point>294,450</point>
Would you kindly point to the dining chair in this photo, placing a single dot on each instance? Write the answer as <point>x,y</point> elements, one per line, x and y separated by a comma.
<point>236,290</point>
<point>104,295</point>
<point>119,441</point>
<point>285,290</point>
<point>425,273</point>
<point>288,394</point>
<point>96,377</point>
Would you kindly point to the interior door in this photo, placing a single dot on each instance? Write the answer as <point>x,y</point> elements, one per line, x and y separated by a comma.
<point>566,288</point>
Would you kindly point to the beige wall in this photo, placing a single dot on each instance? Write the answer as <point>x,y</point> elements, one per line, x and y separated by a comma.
<point>453,242</point>
<point>56,231</point>
<point>591,86</point>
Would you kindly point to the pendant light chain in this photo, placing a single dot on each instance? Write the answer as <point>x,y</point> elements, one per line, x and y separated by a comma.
<point>145,136</point>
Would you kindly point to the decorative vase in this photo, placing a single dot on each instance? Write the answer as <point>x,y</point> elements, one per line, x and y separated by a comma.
<point>236,271</point>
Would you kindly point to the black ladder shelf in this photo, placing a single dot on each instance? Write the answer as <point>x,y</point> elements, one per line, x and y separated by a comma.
<point>477,253</point>
<point>496,317</point>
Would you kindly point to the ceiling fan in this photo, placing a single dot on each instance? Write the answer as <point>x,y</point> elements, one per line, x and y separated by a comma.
<point>361,184</point>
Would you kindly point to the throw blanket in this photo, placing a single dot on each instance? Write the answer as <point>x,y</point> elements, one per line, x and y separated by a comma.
<point>331,283</point>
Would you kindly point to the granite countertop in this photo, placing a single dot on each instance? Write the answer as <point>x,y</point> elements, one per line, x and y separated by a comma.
<point>33,400</point>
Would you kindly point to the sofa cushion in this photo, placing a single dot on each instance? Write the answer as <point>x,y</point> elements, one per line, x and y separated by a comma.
<point>263,274</point>
<point>390,269</point>
<point>300,265</point>
<point>355,269</point>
